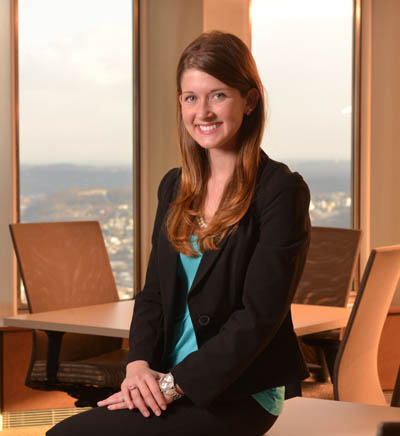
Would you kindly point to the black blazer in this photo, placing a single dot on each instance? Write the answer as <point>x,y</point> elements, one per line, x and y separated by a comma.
<point>240,299</point>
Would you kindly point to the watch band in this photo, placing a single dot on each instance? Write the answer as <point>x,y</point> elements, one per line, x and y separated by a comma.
<point>167,387</point>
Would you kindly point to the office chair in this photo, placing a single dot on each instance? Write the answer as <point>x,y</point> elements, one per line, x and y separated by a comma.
<point>65,265</point>
<point>355,376</point>
<point>326,280</point>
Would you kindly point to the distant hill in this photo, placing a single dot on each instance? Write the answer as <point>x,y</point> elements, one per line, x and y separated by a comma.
<point>48,179</point>
<point>324,176</point>
<point>73,204</point>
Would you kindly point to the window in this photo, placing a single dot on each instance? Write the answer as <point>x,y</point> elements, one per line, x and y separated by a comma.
<point>76,119</point>
<point>304,52</point>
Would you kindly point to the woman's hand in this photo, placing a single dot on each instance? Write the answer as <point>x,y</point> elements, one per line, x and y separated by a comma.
<point>117,402</point>
<point>139,390</point>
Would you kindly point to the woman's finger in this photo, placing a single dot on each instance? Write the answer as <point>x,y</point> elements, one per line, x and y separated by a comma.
<point>147,395</point>
<point>112,399</point>
<point>127,395</point>
<point>139,401</point>
<point>156,393</point>
<point>118,406</point>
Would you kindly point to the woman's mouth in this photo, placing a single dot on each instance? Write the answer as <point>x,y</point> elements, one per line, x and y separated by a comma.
<point>208,128</point>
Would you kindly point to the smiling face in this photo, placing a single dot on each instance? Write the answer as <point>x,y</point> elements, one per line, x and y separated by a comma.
<point>212,112</point>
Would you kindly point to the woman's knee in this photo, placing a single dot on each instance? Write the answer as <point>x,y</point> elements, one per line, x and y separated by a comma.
<point>76,425</point>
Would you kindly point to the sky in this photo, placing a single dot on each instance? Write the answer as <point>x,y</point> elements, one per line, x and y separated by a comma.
<point>303,50</point>
<point>75,82</point>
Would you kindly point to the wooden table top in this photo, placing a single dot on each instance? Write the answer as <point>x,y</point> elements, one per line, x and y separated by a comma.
<point>316,417</point>
<point>113,319</point>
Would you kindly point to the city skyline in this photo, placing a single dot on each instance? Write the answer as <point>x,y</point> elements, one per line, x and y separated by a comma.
<point>105,195</point>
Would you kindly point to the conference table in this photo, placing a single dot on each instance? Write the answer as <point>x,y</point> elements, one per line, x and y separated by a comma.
<point>113,319</point>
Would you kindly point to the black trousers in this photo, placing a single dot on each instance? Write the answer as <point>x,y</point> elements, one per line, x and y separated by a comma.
<point>182,418</point>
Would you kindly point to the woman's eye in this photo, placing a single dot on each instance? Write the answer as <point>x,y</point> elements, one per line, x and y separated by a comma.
<point>219,95</point>
<point>190,98</point>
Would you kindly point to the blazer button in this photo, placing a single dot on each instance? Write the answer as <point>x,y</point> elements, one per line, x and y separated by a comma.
<point>204,320</point>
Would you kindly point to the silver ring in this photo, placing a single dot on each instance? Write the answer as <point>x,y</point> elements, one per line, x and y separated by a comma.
<point>131,387</point>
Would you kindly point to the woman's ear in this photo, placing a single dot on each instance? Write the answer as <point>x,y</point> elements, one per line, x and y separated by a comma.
<point>251,100</point>
<point>180,99</point>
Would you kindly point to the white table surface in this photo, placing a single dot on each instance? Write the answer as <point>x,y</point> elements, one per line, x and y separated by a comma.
<point>113,319</point>
<point>316,417</point>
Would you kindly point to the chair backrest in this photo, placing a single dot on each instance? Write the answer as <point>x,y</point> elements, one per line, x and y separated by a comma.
<point>63,264</point>
<point>330,266</point>
<point>356,376</point>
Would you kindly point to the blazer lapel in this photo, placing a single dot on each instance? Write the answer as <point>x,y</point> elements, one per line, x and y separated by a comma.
<point>207,261</point>
<point>168,257</point>
<point>167,260</point>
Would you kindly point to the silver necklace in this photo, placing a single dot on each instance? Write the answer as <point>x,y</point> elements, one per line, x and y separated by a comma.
<point>202,224</point>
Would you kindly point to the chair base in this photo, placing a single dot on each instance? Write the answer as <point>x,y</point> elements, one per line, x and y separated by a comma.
<point>325,349</point>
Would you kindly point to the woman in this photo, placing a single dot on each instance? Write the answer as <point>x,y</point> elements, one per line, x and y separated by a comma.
<point>211,342</point>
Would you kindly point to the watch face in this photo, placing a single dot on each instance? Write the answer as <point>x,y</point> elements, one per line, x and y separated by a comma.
<point>166,382</point>
<point>167,387</point>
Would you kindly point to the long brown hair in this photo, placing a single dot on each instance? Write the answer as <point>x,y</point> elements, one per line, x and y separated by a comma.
<point>228,59</point>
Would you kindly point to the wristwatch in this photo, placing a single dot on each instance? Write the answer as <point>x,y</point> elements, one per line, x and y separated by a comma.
<point>167,387</point>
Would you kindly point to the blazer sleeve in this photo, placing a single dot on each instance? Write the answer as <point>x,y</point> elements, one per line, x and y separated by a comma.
<point>146,330</point>
<point>271,279</point>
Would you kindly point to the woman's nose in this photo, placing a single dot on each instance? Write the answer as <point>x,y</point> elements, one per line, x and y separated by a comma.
<point>204,109</point>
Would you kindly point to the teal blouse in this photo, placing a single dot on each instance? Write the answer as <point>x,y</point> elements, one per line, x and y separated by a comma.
<point>184,338</point>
